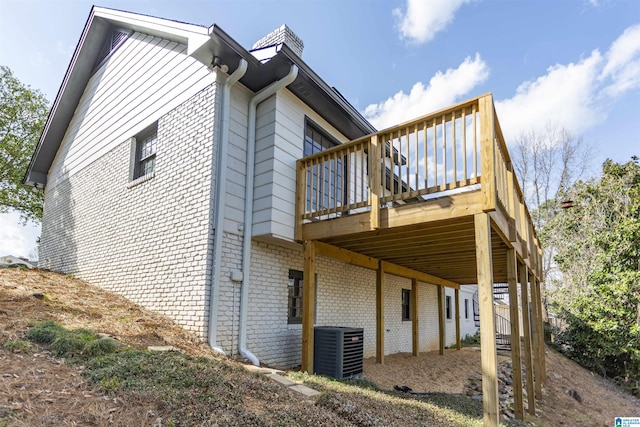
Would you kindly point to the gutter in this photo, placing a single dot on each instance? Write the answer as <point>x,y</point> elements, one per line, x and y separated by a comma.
<point>248,206</point>
<point>221,185</point>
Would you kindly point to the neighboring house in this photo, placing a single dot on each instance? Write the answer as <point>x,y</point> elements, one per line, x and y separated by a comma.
<point>145,159</point>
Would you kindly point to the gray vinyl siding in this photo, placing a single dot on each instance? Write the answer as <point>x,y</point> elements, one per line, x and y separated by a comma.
<point>280,136</point>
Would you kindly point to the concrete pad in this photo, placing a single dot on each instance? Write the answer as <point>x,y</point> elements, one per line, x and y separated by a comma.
<point>162,348</point>
<point>260,370</point>
<point>282,380</point>
<point>304,390</point>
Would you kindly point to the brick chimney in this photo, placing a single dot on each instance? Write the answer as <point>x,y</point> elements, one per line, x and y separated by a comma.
<point>284,35</point>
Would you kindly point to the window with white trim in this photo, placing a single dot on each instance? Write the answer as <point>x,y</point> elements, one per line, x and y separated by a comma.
<point>294,300</point>
<point>330,176</point>
<point>143,149</point>
<point>448,307</point>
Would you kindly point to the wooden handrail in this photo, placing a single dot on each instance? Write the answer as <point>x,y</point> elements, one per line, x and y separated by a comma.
<point>449,149</point>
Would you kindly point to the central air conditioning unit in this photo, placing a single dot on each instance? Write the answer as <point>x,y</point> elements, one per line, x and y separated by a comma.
<point>338,351</point>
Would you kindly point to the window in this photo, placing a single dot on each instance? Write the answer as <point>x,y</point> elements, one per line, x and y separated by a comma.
<point>143,150</point>
<point>330,175</point>
<point>295,297</point>
<point>294,305</point>
<point>406,304</point>
<point>466,308</point>
<point>448,307</point>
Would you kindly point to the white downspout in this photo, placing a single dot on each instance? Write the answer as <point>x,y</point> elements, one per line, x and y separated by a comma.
<point>248,206</point>
<point>221,185</point>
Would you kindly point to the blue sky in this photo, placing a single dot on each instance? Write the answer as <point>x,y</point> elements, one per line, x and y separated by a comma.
<point>574,63</point>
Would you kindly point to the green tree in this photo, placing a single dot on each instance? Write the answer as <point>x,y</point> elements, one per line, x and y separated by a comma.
<point>597,249</point>
<point>23,112</point>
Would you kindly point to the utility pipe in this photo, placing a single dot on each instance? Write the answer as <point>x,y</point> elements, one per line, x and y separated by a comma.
<point>248,206</point>
<point>221,185</point>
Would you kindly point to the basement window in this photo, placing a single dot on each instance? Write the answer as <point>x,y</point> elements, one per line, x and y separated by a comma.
<point>448,307</point>
<point>294,304</point>
<point>406,304</point>
<point>294,307</point>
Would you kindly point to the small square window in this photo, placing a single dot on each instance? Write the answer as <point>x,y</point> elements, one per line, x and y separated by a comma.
<point>143,153</point>
<point>448,307</point>
<point>406,304</point>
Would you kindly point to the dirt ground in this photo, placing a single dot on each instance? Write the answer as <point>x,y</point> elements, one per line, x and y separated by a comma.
<point>37,383</point>
<point>429,372</point>
<point>601,401</point>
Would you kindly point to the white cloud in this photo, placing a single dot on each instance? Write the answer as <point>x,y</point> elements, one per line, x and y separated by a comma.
<point>422,19</point>
<point>564,95</point>
<point>17,239</point>
<point>577,95</point>
<point>443,89</point>
<point>623,62</point>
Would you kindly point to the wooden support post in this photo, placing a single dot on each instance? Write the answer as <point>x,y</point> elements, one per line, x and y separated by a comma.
<point>538,348</point>
<point>526,325</point>
<point>488,352</point>
<point>516,360</point>
<point>542,346</point>
<point>540,334</point>
<point>308,306</point>
<point>380,314</point>
<point>458,344</point>
<point>441,319</point>
<point>415,332</point>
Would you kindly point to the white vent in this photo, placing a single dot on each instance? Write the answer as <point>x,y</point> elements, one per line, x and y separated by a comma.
<point>116,38</point>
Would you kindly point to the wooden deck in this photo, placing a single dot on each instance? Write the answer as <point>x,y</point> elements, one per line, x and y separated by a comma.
<point>435,200</point>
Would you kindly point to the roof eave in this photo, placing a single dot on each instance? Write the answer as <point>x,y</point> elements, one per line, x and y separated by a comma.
<point>203,44</point>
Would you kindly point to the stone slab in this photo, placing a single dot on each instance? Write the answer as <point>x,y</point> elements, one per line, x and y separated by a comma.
<point>304,390</point>
<point>282,380</point>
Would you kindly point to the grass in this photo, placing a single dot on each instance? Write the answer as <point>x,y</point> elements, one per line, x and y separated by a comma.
<point>70,343</point>
<point>356,400</point>
<point>206,391</point>
<point>471,340</point>
<point>102,385</point>
<point>17,346</point>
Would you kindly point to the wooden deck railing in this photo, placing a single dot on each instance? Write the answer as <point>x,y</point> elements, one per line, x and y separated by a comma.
<point>453,150</point>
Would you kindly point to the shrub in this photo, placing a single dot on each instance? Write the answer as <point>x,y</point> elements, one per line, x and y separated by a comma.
<point>45,332</point>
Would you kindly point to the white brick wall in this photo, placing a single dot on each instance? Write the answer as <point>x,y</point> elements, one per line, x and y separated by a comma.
<point>150,241</point>
<point>345,297</point>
